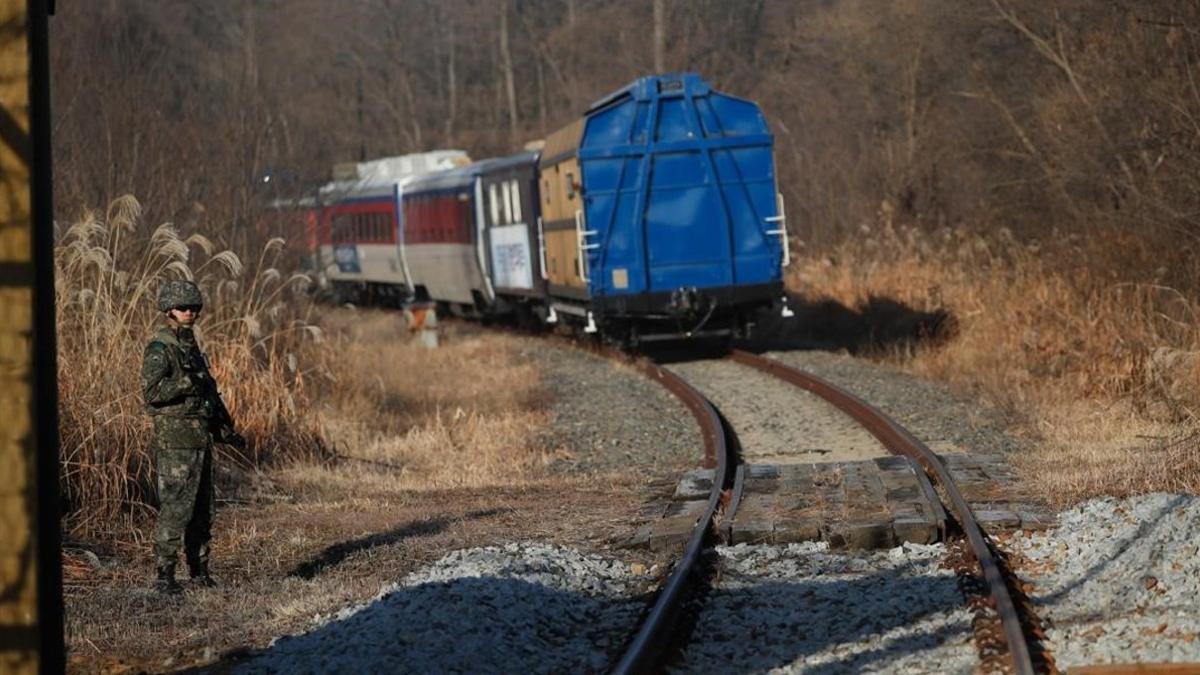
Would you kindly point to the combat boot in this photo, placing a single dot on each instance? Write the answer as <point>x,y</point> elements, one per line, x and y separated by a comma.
<point>165,582</point>
<point>199,574</point>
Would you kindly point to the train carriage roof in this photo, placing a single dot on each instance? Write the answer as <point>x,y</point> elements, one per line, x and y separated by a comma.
<point>379,177</point>
<point>525,158</point>
<point>461,177</point>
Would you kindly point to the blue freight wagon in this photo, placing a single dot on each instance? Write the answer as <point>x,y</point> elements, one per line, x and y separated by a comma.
<point>660,213</point>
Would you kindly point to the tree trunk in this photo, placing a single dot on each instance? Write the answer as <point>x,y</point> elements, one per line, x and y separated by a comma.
<point>541,86</point>
<point>660,31</point>
<point>451,87</point>
<point>410,98</point>
<point>506,64</point>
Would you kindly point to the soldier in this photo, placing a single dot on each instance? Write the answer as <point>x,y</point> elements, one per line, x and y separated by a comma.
<point>189,416</point>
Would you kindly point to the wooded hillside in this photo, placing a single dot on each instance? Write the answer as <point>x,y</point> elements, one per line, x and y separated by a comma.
<point>1073,115</point>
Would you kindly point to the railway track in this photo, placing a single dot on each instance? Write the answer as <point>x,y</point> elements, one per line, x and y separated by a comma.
<point>1010,643</point>
<point>655,637</point>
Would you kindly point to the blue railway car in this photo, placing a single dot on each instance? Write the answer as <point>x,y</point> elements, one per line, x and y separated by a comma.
<point>661,217</point>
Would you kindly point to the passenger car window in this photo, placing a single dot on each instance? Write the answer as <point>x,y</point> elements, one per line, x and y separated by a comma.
<point>494,203</point>
<point>514,190</point>
<point>508,205</point>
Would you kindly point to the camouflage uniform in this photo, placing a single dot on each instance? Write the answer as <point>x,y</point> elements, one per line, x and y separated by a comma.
<point>189,416</point>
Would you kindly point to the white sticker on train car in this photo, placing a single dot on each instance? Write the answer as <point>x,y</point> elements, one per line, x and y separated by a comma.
<point>511,262</point>
<point>620,277</point>
<point>346,257</point>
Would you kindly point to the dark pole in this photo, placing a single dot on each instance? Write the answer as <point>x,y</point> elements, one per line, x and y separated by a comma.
<point>45,361</point>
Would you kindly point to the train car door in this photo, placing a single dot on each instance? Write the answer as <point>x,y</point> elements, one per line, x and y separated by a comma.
<point>561,211</point>
<point>512,236</point>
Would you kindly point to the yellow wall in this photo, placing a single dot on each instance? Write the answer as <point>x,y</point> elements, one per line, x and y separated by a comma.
<point>559,204</point>
<point>562,258</point>
<point>559,208</point>
<point>18,559</point>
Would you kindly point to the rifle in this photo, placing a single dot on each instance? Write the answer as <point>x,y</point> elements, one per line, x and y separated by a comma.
<point>222,421</point>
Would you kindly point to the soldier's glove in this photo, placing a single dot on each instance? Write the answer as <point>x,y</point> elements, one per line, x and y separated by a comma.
<point>231,437</point>
<point>237,441</point>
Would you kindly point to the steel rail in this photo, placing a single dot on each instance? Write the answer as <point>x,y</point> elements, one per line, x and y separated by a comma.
<point>899,441</point>
<point>646,650</point>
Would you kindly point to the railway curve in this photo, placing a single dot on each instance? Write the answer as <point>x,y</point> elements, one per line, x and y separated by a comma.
<point>1018,632</point>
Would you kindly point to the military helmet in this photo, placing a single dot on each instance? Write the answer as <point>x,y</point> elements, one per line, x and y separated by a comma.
<point>181,293</point>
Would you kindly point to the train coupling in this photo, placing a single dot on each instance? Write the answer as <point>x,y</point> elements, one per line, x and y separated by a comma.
<point>688,301</point>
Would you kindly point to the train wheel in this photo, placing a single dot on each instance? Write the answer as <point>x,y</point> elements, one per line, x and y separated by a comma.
<point>633,339</point>
<point>526,318</point>
<point>725,343</point>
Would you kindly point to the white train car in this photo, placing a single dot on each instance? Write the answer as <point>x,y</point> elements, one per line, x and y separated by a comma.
<point>358,256</point>
<point>468,237</point>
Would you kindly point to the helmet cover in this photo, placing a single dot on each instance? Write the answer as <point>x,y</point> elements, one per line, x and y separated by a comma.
<point>182,293</point>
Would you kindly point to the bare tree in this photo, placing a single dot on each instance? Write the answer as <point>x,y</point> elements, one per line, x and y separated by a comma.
<point>660,32</point>
<point>994,112</point>
<point>506,65</point>
<point>451,80</point>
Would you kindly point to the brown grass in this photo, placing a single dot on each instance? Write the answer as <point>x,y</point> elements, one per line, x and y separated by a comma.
<point>390,412</point>
<point>398,415</point>
<point>255,327</point>
<point>1069,334</point>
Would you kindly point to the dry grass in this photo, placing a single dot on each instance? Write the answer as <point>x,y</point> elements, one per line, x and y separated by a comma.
<point>1095,355</point>
<point>400,416</point>
<point>255,328</point>
<point>391,413</point>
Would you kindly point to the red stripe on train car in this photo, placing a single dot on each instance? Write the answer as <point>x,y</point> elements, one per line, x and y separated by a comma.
<point>437,219</point>
<point>368,222</point>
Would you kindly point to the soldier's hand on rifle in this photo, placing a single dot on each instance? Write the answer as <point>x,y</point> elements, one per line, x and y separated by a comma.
<point>187,381</point>
<point>236,440</point>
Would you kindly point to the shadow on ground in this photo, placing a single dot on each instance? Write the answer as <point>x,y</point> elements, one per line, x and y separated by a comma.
<point>879,324</point>
<point>510,624</point>
<point>335,554</point>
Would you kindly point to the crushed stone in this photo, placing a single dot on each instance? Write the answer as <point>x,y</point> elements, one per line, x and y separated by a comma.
<point>801,608</point>
<point>945,420</point>
<point>1117,580</point>
<point>777,422</point>
<point>528,607</point>
<point>607,416</point>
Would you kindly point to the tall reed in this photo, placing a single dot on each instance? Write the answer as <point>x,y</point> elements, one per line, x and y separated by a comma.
<point>255,328</point>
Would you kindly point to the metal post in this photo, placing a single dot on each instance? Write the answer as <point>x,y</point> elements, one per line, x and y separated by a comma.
<point>422,322</point>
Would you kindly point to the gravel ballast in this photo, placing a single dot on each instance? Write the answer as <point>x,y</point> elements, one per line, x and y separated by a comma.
<point>801,608</point>
<point>943,420</point>
<point>1118,580</point>
<point>777,422</point>
<point>608,416</point>
<point>518,608</point>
